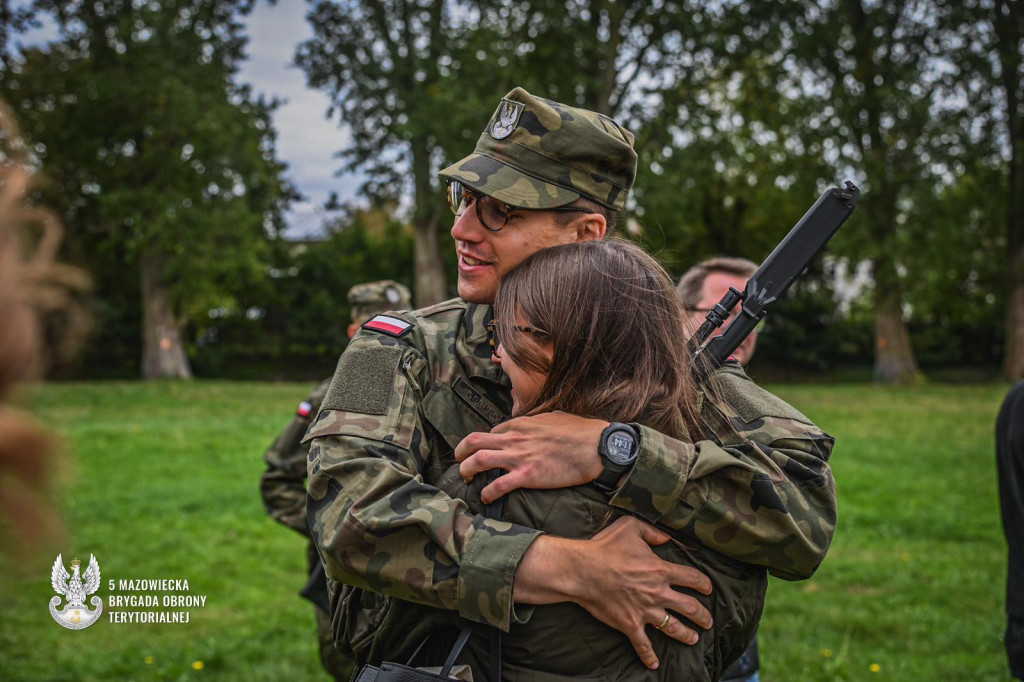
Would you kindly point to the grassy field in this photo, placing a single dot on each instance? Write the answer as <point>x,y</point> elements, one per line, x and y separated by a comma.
<point>163,483</point>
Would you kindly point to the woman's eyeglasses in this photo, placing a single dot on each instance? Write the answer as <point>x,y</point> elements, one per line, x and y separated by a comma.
<point>492,214</point>
<point>492,334</point>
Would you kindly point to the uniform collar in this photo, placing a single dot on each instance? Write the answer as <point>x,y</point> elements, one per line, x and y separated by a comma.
<point>475,349</point>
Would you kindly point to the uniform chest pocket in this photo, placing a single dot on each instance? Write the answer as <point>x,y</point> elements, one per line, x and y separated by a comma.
<point>451,415</point>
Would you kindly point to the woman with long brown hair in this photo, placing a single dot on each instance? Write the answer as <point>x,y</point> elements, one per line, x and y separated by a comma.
<point>595,328</point>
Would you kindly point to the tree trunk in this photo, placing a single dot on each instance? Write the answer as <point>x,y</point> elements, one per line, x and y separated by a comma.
<point>163,355</point>
<point>1008,29</point>
<point>1013,357</point>
<point>894,356</point>
<point>428,271</point>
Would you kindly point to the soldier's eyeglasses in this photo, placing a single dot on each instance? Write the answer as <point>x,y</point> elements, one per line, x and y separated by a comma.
<point>492,334</point>
<point>492,214</point>
<point>735,312</point>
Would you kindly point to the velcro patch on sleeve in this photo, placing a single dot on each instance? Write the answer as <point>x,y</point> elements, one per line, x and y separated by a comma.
<point>305,408</point>
<point>364,380</point>
<point>752,402</point>
<point>386,324</point>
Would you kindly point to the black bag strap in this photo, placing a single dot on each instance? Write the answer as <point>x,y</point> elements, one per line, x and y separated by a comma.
<point>460,643</point>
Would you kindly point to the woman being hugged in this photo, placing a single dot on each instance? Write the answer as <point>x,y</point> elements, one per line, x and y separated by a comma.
<point>595,329</point>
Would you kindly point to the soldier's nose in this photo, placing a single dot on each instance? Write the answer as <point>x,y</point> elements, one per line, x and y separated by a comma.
<point>467,227</point>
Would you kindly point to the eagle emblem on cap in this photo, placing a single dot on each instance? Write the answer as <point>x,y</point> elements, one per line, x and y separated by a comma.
<point>506,118</point>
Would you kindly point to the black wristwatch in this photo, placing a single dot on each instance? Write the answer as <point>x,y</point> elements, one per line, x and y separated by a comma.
<point>618,449</point>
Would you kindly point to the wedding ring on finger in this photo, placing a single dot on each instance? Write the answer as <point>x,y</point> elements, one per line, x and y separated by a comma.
<point>664,623</point>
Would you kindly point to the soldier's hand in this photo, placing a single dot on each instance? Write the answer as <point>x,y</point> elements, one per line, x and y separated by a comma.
<point>549,450</point>
<point>620,581</point>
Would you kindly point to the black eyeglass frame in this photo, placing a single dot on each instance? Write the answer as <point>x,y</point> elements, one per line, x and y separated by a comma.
<point>492,334</point>
<point>456,193</point>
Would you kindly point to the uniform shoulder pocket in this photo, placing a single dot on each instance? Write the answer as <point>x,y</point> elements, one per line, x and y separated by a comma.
<point>371,396</point>
<point>751,402</point>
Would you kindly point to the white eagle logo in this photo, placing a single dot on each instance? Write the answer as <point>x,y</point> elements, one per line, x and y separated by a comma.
<point>506,118</point>
<point>75,587</point>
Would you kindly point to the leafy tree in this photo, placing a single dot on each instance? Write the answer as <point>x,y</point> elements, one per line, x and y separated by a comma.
<point>955,286</point>
<point>1008,22</point>
<point>990,55</point>
<point>294,323</point>
<point>414,80</point>
<point>159,161</point>
<point>14,18</point>
<point>633,55</point>
<point>878,97</point>
<point>726,182</point>
<point>402,80</point>
<point>715,173</point>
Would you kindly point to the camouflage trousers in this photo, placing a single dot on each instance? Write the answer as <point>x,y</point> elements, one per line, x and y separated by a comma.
<point>339,666</point>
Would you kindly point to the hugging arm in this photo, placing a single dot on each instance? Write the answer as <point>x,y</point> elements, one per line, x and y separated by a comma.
<point>761,491</point>
<point>378,525</point>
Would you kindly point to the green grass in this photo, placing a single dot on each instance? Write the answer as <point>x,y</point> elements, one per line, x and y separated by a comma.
<point>914,581</point>
<point>163,483</point>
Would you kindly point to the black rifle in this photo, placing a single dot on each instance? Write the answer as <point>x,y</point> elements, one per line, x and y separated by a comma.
<point>772,279</point>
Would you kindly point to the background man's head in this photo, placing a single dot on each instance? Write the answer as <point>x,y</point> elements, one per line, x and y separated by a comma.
<point>561,173</point>
<point>366,300</point>
<point>703,286</point>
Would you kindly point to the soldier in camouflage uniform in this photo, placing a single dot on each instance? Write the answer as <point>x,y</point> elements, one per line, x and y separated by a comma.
<point>283,484</point>
<point>413,395</point>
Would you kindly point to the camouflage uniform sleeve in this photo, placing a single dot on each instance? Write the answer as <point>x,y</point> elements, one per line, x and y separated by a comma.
<point>762,492</point>
<point>283,484</point>
<point>377,523</point>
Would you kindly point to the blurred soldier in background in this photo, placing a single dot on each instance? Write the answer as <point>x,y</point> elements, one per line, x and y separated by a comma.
<point>284,483</point>
<point>700,288</point>
<point>703,286</point>
<point>1010,464</point>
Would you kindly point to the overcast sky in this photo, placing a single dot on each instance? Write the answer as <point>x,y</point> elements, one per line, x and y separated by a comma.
<point>306,140</point>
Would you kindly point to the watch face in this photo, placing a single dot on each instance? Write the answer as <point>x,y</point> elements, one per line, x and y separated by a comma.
<point>620,447</point>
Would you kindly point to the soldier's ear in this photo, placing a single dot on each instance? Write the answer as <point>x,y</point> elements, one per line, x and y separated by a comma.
<point>590,227</point>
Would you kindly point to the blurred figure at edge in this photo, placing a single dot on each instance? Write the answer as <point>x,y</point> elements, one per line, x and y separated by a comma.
<point>40,323</point>
<point>1010,467</point>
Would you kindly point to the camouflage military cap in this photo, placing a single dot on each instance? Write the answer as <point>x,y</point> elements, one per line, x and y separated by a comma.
<point>371,298</point>
<point>536,153</point>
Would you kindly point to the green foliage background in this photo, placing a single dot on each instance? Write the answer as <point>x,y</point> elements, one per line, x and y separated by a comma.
<point>741,116</point>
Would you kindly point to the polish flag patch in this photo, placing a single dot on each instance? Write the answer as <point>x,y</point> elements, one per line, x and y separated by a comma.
<point>305,409</point>
<point>385,324</point>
